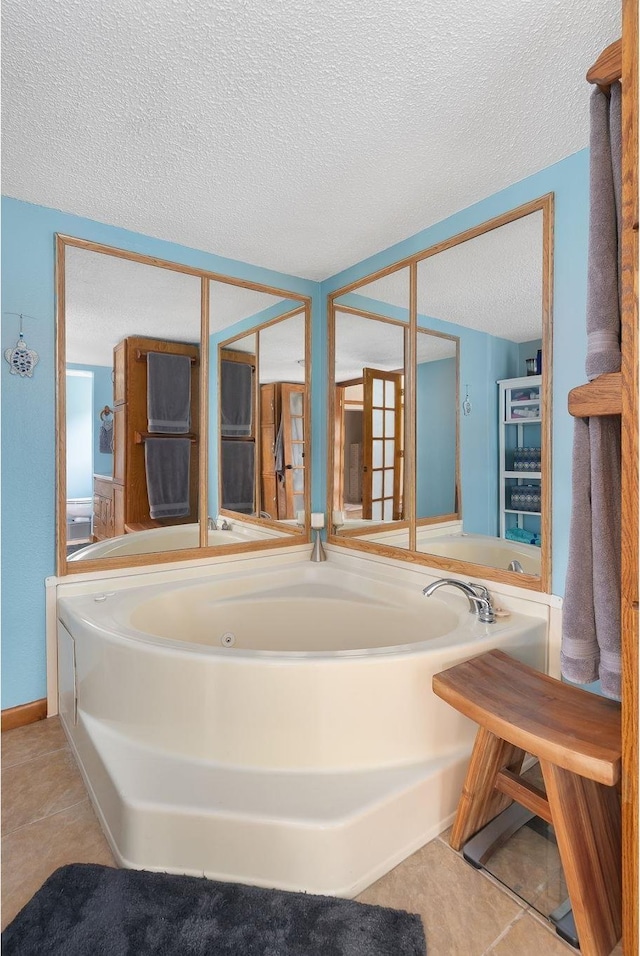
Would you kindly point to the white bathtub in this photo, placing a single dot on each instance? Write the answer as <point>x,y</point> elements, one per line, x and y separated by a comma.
<point>171,538</point>
<point>482,549</point>
<point>311,754</point>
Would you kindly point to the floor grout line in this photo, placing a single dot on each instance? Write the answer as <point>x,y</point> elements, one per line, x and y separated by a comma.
<point>21,763</point>
<point>45,816</point>
<point>491,947</point>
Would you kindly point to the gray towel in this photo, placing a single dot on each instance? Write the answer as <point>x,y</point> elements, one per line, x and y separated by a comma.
<point>237,471</point>
<point>167,468</point>
<point>106,437</point>
<point>278,452</point>
<point>236,412</point>
<point>591,642</point>
<point>168,393</point>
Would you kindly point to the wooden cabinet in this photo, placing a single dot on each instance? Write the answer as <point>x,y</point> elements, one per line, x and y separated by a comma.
<point>130,502</point>
<point>282,474</point>
<point>268,480</point>
<point>102,507</point>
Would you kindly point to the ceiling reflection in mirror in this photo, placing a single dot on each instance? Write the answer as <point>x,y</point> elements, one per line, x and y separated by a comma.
<point>139,420</point>
<point>479,402</point>
<point>263,418</point>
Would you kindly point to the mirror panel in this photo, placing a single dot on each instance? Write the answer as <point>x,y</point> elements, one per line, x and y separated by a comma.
<point>479,403</point>
<point>133,456</point>
<point>270,461</point>
<point>116,312</point>
<point>370,494</point>
<point>497,315</point>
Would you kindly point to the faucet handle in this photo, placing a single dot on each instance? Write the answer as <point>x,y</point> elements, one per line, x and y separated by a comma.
<point>481,590</point>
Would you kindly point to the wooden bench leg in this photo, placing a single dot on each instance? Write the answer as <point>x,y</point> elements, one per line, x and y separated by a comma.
<point>479,801</point>
<point>586,820</point>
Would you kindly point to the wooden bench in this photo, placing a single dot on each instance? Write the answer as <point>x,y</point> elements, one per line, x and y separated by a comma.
<point>577,738</point>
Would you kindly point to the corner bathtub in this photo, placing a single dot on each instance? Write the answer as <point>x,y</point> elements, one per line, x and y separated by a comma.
<point>274,727</point>
<point>171,538</point>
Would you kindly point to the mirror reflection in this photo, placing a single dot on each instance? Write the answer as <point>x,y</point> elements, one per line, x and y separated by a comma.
<point>497,316</point>
<point>370,440</point>
<point>437,492</point>
<point>263,422</point>
<point>477,408</point>
<point>132,369</point>
<point>135,435</point>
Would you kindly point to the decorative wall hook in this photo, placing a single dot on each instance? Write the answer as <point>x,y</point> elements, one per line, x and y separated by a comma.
<point>22,360</point>
<point>466,405</point>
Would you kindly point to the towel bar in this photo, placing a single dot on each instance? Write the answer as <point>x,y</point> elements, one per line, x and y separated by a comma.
<point>141,355</point>
<point>141,437</point>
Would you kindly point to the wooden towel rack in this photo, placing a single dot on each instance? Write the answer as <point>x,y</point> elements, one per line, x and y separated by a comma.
<point>602,396</point>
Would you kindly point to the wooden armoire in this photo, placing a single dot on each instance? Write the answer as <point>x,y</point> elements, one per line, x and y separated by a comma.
<point>282,449</point>
<point>130,500</point>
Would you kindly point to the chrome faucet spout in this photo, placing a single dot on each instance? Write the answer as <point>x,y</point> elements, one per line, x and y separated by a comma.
<point>477,595</point>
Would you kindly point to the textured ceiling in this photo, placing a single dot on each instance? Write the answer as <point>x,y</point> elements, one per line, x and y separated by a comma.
<point>298,136</point>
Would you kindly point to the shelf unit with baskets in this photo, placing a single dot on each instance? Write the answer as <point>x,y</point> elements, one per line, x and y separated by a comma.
<point>520,407</point>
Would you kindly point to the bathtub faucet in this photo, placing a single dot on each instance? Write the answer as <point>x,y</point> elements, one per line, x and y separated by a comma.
<point>478,596</point>
<point>218,524</point>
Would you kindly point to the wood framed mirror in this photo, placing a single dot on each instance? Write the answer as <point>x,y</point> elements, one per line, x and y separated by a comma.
<point>137,463</point>
<point>477,401</point>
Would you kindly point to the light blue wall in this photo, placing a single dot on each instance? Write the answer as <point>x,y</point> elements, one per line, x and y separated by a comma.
<point>102,462</point>
<point>568,180</point>
<point>79,436</point>
<point>102,395</point>
<point>436,403</point>
<point>28,426</point>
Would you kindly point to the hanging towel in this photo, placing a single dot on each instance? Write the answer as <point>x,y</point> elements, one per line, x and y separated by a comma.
<point>238,471</point>
<point>591,643</point>
<point>167,468</point>
<point>278,452</point>
<point>168,393</point>
<point>236,399</point>
<point>106,437</point>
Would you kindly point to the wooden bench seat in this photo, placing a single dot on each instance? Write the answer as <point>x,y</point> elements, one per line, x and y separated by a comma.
<point>577,738</point>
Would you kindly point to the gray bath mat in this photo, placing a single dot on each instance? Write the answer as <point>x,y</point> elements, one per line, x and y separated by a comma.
<point>89,910</point>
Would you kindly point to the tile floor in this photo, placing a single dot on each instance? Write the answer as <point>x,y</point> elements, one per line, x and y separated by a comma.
<point>47,821</point>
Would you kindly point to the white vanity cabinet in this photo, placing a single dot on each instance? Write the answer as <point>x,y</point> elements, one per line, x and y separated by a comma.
<point>519,421</point>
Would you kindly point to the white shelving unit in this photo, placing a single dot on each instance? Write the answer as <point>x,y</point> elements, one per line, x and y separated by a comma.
<point>519,416</point>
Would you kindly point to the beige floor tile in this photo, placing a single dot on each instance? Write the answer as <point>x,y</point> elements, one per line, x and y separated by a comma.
<point>38,787</point>
<point>462,912</point>
<point>31,854</point>
<point>37,739</point>
<point>529,937</point>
